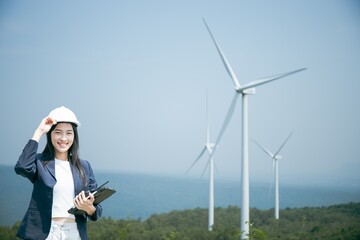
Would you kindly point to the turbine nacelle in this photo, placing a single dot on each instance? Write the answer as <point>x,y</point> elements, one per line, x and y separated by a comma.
<point>210,146</point>
<point>277,157</point>
<point>245,90</point>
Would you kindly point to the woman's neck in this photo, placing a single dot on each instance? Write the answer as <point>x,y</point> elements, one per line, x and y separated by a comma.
<point>62,156</point>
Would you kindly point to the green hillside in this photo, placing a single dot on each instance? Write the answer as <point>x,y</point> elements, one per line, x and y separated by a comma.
<point>334,222</point>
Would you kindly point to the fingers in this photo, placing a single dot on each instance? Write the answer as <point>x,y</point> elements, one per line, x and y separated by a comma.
<point>49,121</point>
<point>81,201</point>
<point>46,124</point>
<point>91,197</point>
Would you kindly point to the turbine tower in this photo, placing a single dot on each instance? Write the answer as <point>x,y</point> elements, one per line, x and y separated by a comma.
<point>275,157</point>
<point>244,90</point>
<point>209,147</point>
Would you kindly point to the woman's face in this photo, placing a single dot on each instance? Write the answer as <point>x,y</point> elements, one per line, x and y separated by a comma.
<point>62,138</point>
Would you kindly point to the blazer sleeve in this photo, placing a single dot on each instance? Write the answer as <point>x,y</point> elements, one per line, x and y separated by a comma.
<point>26,165</point>
<point>92,186</point>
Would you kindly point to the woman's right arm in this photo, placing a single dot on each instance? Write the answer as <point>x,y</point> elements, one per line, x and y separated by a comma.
<point>26,165</point>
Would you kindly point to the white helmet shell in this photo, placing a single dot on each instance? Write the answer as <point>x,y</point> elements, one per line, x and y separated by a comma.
<point>63,114</point>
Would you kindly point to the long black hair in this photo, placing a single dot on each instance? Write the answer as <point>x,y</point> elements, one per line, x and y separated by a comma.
<point>73,152</point>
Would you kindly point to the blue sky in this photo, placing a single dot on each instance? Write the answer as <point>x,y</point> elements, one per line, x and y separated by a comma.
<point>136,74</point>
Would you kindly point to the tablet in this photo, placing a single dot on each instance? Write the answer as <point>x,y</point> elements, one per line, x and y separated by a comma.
<point>100,194</point>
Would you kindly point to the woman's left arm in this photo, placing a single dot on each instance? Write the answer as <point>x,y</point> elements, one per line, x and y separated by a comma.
<point>94,212</point>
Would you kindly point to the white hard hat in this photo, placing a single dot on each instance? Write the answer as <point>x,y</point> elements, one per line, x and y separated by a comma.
<point>63,114</point>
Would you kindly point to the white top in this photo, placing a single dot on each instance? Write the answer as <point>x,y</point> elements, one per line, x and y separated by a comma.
<point>63,192</point>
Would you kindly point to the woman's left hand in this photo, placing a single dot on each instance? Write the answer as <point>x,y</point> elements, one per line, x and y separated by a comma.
<point>85,203</point>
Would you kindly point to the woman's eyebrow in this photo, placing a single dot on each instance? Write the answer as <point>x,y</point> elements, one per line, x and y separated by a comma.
<point>61,130</point>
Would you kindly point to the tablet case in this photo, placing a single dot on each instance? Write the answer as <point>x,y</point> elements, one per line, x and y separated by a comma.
<point>100,195</point>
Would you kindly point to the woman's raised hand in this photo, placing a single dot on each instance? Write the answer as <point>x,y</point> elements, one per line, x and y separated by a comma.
<point>44,127</point>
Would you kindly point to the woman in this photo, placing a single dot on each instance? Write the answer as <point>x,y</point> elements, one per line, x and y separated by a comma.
<point>60,180</point>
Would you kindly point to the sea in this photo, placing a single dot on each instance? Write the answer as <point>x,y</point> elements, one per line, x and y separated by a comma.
<point>138,196</point>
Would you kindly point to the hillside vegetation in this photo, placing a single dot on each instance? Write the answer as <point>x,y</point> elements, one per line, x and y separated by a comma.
<point>334,222</point>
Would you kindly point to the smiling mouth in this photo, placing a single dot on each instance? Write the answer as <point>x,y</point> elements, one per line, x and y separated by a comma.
<point>62,144</point>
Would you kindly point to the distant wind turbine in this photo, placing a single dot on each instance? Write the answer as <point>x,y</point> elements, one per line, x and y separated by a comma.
<point>244,90</point>
<point>209,147</point>
<point>275,158</point>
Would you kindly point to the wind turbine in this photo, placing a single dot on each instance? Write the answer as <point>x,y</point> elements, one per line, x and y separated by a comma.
<point>209,147</point>
<point>275,158</point>
<point>244,90</point>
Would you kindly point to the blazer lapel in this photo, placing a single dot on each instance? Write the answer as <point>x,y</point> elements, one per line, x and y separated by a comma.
<point>51,168</point>
<point>78,186</point>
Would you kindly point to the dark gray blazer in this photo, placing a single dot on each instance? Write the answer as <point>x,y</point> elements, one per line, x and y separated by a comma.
<point>37,220</point>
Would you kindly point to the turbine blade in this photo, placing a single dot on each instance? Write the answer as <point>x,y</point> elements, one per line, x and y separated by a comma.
<point>225,124</point>
<point>197,159</point>
<point>223,58</point>
<point>264,149</point>
<point>283,144</point>
<point>227,120</point>
<point>262,81</point>
<point>207,165</point>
